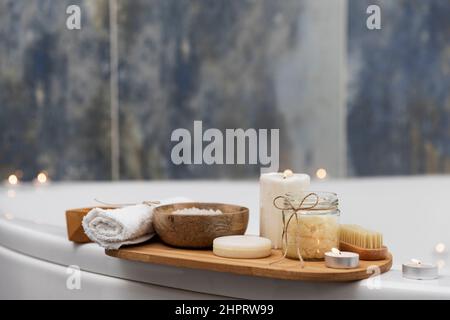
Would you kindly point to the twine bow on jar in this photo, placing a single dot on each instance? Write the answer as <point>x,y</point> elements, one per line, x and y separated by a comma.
<point>288,205</point>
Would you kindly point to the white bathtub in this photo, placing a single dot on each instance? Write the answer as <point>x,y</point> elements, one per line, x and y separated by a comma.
<point>413,213</point>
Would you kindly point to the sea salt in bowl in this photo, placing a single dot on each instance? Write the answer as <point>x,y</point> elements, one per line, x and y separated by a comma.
<point>196,225</point>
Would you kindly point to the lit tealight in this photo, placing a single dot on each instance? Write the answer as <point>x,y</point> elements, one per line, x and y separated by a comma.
<point>287,173</point>
<point>337,259</point>
<point>13,180</point>
<point>418,270</point>
<point>42,177</point>
<point>440,247</point>
<point>321,173</point>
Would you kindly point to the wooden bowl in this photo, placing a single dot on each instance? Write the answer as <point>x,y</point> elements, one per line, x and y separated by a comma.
<point>198,231</point>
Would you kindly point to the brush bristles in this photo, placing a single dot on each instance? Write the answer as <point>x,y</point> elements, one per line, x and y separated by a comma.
<point>360,237</point>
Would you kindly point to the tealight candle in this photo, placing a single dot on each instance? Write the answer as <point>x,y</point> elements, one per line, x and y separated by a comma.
<point>341,259</point>
<point>419,271</point>
<point>272,185</point>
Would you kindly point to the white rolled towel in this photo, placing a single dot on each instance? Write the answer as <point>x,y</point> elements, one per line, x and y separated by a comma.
<point>113,228</point>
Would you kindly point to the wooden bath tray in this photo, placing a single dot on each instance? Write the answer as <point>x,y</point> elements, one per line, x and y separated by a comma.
<point>156,252</point>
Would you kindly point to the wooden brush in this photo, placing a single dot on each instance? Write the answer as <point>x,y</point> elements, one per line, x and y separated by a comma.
<point>368,244</point>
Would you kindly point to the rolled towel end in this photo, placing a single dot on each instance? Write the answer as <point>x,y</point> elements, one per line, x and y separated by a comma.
<point>112,228</point>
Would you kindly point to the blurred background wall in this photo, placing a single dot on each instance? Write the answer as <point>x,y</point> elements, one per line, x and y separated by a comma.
<point>354,101</point>
<point>399,90</point>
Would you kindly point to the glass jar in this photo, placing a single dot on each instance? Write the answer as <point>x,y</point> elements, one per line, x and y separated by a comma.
<point>311,225</point>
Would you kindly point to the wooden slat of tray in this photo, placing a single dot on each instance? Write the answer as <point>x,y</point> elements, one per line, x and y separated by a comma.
<point>156,252</point>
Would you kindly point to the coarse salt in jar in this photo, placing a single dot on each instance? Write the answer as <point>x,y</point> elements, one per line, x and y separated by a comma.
<point>311,225</point>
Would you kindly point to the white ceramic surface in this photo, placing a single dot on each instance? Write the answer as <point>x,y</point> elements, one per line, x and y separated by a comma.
<point>411,212</point>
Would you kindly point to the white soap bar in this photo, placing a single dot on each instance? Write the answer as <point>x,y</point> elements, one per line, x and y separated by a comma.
<point>245,247</point>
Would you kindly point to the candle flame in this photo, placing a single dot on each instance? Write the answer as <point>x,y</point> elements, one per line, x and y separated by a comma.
<point>335,251</point>
<point>321,173</point>
<point>13,179</point>
<point>42,177</point>
<point>440,247</point>
<point>287,173</point>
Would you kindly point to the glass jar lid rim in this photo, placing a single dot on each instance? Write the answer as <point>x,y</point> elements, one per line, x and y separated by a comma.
<point>314,200</point>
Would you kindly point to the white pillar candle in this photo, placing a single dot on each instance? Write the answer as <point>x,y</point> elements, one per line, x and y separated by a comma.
<point>272,185</point>
<point>248,247</point>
